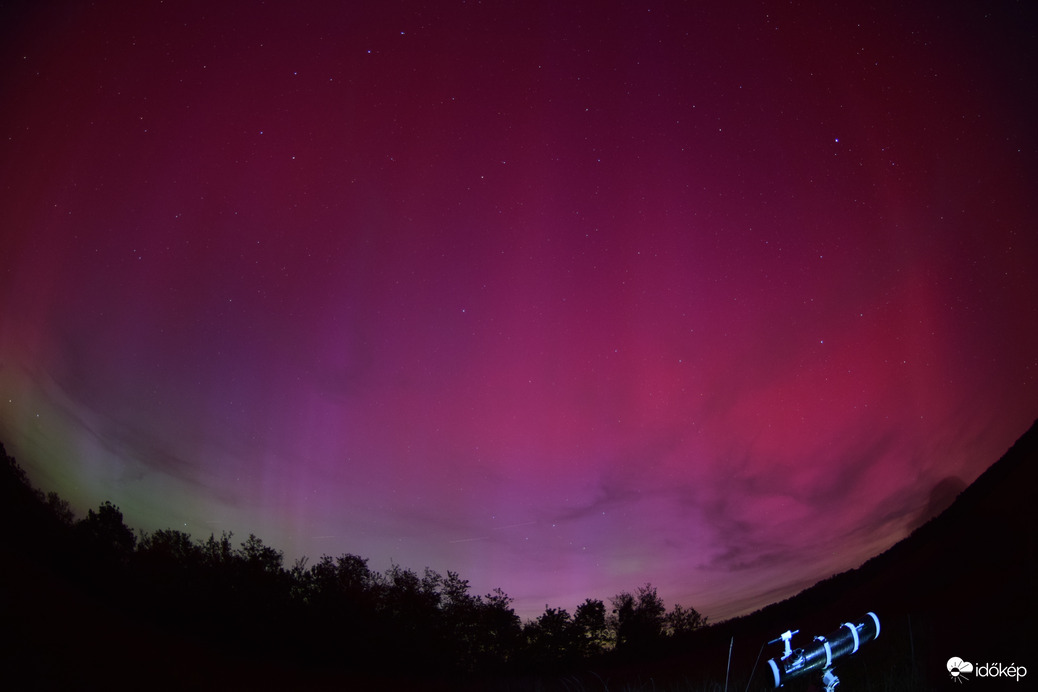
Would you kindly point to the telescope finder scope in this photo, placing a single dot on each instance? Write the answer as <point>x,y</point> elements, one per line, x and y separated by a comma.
<point>823,650</point>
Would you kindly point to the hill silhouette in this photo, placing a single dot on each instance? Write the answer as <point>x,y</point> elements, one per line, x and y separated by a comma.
<point>964,584</point>
<point>92,607</point>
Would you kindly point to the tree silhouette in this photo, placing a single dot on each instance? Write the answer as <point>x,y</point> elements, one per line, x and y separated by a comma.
<point>461,615</point>
<point>681,620</point>
<point>335,612</point>
<point>60,509</point>
<point>170,548</point>
<point>455,598</point>
<point>13,478</point>
<point>105,532</point>
<point>551,638</point>
<point>31,524</point>
<point>589,621</point>
<point>410,617</point>
<point>500,628</point>
<point>336,603</point>
<point>216,553</point>
<point>343,584</point>
<point>260,558</point>
<point>639,619</point>
<point>168,565</point>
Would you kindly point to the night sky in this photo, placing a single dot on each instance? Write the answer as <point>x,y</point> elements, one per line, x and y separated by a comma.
<point>565,297</point>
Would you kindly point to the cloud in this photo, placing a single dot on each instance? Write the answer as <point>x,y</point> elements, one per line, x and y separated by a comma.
<point>942,495</point>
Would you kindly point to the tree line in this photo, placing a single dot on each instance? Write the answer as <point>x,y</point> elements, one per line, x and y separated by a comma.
<point>334,612</point>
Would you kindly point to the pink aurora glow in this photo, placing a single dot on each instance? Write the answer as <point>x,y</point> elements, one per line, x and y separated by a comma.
<point>565,299</point>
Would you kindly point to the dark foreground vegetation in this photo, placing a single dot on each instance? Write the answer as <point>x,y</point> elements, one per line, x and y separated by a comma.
<point>91,604</point>
<point>241,602</point>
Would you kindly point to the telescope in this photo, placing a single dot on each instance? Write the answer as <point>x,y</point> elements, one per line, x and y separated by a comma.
<point>822,651</point>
